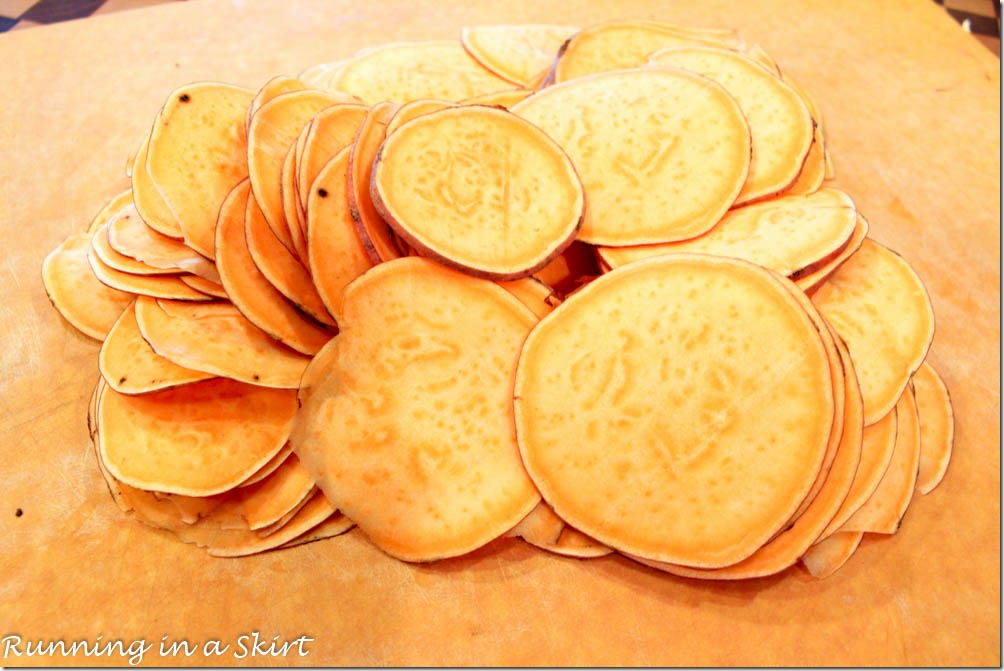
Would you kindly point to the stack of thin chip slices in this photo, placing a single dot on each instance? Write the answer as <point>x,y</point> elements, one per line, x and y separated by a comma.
<point>591,288</point>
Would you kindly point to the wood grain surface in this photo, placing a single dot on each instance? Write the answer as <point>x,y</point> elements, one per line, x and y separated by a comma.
<point>911,108</point>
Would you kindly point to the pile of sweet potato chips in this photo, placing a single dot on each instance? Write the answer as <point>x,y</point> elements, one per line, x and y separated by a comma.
<point>594,288</point>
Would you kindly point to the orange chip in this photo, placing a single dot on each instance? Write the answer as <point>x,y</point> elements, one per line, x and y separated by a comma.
<point>373,231</point>
<point>518,53</point>
<point>937,427</point>
<point>199,440</point>
<point>130,365</point>
<point>825,557</point>
<point>87,303</point>
<point>406,416</point>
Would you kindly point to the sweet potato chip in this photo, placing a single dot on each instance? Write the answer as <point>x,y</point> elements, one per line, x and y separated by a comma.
<point>518,53</point>
<point>281,268</point>
<point>217,338</point>
<point>249,289</point>
<point>786,234</point>
<point>937,427</point>
<point>415,108</point>
<point>129,235</point>
<point>879,305</point>
<point>334,251</point>
<point>883,512</point>
<point>406,416</point>
<point>275,86</point>
<point>202,285</point>
<point>641,141</point>
<point>115,260</point>
<point>197,154</point>
<point>714,382</point>
<point>157,286</point>
<point>273,130</point>
<point>616,45</point>
<point>117,203</point>
<point>506,98</point>
<point>877,443</point>
<point>780,124</point>
<point>784,549</point>
<point>533,293</point>
<point>543,529</point>
<point>149,202</point>
<point>373,231</point>
<point>480,189</point>
<point>825,557</point>
<point>406,71</point>
<point>809,279</point>
<point>130,366</point>
<point>273,464</point>
<point>268,500</point>
<point>87,303</point>
<point>199,440</point>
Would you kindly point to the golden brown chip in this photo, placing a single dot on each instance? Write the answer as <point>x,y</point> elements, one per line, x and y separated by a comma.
<point>199,440</point>
<point>480,189</point>
<point>130,366</point>
<point>641,141</point>
<point>88,304</point>
<point>406,416</point>
<point>711,379</point>
<point>937,427</point>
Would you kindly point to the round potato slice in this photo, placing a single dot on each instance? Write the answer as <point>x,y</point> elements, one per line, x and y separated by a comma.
<point>87,303</point>
<point>129,235</point>
<point>787,234</point>
<point>780,124</point>
<point>217,338</point>
<point>406,71</point>
<point>335,253</point>
<point>264,305</point>
<point>878,304</point>
<point>937,427</point>
<point>518,53</point>
<point>614,45</point>
<point>199,440</point>
<point>158,286</point>
<point>117,203</point>
<point>197,154</point>
<point>677,408</point>
<point>130,365</point>
<point>406,416</point>
<point>480,189</point>
<point>642,142</point>
<point>148,200</point>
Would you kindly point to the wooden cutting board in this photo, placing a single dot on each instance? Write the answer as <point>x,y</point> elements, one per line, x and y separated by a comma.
<point>910,105</point>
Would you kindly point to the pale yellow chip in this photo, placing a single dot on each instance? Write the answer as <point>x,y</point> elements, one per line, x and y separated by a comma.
<point>518,53</point>
<point>615,45</point>
<point>406,71</point>
<point>641,141</point>
<point>937,427</point>
<point>712,381</point>
<point>216,338</point>
<point>788,235</point>
<point>878,304</point>
<point>130,366</point>
<point>197,154</point>
<point>87,303</point>
<point>780,123</point>
<point>506,98</point>
<point>199,440</point>
<point>406,416</point>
